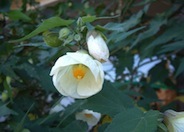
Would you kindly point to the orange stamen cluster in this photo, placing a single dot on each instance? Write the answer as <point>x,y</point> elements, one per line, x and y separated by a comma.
<point>79,71</point>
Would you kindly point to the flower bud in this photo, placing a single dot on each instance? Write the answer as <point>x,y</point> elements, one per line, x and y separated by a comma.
<point>51,39</point>
<point>80,22</point>
<point>64,33</point>
<point>97,46</point>
<point>4,96</point>
<point>174,121</point>
<point>77,37</point>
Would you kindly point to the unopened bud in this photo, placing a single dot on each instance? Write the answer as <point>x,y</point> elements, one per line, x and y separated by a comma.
<point>97,46</point>
<point>4,96</point>
<point>51,39</point>
<point>64,33</point>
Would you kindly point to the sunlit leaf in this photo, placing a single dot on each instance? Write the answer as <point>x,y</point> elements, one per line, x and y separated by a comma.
<point>46,25</point>
<point>89,18</point>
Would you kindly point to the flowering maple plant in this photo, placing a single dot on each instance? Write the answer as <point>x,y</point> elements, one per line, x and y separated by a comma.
<point>88,74</point>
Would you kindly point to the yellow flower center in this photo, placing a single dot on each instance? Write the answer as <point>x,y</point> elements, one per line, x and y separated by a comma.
<point>79,71</point>
<point>88,115</point>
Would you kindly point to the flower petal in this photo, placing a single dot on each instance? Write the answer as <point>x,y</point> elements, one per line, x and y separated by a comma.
<point>88,86</point>
<point>56,81</point>
<point>86,60</point>
<point>62,62</point>
<point>69,84</point>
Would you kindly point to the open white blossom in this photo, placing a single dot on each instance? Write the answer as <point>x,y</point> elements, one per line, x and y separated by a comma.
<point>174,121</point>
<point>97,46</point>
<point>77,75</point>
<point>92,118</point>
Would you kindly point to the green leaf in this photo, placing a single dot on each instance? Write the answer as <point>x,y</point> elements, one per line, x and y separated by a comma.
<point>127,60</point>
<point>109,101</point>
<point>179,45</point>
<point>7,69</point>
<point>46,25</point>
<point>180,69</point>
<point>9,89</point>
<point>154,28</point>
<point>71,109</point>
<point>20,124</point>
<point>122,27</point>
<point>4,110</point>
<point>89,18</point>
<point>44,78</point>
<point>162,127</point>
<point>29,68</point>
<point>119,36</point>
<point>18,15</point>
<point>155,25</point>
<point>134,120</point>
<point>76,126</point>
<point>158,72</point>
<point>170,34</point>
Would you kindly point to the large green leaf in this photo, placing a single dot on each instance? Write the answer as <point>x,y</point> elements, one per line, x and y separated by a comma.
<point>76,126</point>
<point>46,25</point>
<point>134,120</point>
<point>109,101</point>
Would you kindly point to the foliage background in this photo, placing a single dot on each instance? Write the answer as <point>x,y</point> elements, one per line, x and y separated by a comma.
<point>146,31</point>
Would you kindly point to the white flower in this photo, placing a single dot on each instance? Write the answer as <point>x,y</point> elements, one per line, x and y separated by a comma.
<point>97,46</point>
<point>92,118</point>
<point>174,121</point>
<point>77,75</point>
